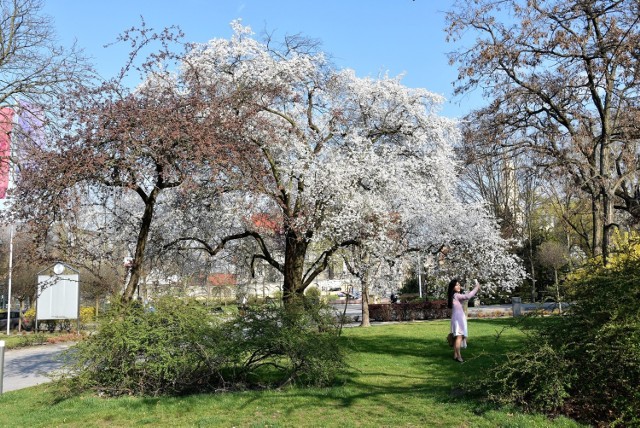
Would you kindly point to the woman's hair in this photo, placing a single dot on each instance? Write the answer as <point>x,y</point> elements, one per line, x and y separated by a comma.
<point>450,292</point>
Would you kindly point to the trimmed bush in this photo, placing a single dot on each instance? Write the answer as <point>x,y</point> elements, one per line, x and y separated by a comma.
<point>435,309</point>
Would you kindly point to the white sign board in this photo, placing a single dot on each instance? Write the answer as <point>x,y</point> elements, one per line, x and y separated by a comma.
<point>58,297</point>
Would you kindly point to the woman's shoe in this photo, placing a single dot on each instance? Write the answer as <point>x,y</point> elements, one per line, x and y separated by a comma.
<point>460,360</point>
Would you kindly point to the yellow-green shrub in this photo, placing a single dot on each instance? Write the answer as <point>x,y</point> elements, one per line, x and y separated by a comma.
<point>587,361</point>
<point>87,314</point>
<point>625,249</point>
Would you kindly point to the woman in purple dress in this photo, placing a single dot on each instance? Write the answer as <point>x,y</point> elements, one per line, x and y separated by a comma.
<point>458,319</point>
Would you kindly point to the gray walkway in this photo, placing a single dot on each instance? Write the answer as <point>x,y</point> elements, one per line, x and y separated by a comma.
<point>355,309</point>
<point>29,366</point>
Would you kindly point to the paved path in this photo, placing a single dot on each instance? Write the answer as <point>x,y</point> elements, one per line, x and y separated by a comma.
<point>355,309</point>
<point>24,367</point>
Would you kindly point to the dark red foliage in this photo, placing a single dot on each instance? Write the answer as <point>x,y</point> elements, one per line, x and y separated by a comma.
<point>435,309</point>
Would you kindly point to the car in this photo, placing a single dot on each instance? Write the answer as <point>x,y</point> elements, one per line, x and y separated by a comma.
<point>349,295</point>
<point>15,317</point>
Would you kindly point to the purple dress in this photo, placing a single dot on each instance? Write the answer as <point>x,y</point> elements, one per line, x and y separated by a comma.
<point>458,319</point>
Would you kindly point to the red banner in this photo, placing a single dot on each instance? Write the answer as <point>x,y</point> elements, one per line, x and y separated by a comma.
<point>6,125</point>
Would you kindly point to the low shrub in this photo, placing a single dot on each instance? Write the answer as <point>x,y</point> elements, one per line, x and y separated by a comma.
<point>28,319</point>
<point>169,350</point>
<point>313,293</point>
<point>381,312</point>
<point>64,325</point>
<point>87,315</point>
<point>586,365</point>
<point>48,325</point>
<point>537,379</point>
<point>182,347</point>
<point>278,345</point>
<point>33,339</point>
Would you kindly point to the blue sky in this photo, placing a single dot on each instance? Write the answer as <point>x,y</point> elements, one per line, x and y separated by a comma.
<point>369,36</point>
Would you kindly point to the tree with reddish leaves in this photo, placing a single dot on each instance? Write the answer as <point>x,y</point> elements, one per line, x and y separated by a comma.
<point>105,168</point>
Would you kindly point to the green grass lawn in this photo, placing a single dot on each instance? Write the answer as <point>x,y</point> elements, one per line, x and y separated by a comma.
<point>401,375</point>
<point>18,340</point>
<point>11,341</point>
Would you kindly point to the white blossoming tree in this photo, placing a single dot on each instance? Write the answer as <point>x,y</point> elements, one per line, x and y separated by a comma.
<point>339,161</point>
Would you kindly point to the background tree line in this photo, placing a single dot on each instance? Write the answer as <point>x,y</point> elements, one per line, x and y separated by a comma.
<point>555,150</point>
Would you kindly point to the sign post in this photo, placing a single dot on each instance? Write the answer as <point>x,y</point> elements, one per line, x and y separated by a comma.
<point>58,294</point>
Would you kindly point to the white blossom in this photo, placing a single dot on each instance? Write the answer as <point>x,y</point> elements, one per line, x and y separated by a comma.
<point>360,159</point>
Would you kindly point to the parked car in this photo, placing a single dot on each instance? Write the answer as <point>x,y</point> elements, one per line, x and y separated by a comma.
<point>15,317</point>
<point>349,295</point>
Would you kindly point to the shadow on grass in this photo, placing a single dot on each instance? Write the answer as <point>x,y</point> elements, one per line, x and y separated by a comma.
<point>430,368</point>
<point>412,373</point>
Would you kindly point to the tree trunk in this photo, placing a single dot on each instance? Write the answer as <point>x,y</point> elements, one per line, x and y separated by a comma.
<point>364,281</point>
<point>141,245</point>
<point>20,309</point>
<point>555,274</point>
<point>533,268</point>
<point>366,322</point>
<point>294,256</point>
<point>607,226</point>
<point>598,223</point>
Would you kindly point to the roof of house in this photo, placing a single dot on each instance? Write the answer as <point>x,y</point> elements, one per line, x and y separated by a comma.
<point>222,279</point>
